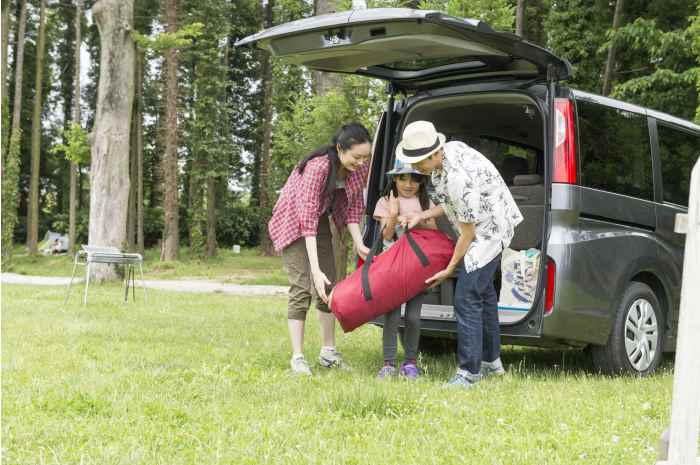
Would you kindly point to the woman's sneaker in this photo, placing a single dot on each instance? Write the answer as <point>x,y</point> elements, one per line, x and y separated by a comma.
<point>409,370</point>
<point>300,366</point>
<point>387,371</point>
<point>331,358</point>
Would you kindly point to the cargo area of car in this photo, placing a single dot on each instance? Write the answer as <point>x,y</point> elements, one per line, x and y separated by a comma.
<point>507,128</point>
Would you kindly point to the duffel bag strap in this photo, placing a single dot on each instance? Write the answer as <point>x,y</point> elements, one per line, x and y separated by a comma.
<point>376,247</point>
<point>366,290</point>
<point>416,249</point>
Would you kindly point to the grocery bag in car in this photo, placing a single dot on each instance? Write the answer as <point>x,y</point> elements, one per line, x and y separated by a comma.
<point>519,273</point>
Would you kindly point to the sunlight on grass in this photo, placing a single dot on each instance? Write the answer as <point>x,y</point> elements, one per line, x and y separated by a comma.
<point>248,267</point>
<point>195,378</point>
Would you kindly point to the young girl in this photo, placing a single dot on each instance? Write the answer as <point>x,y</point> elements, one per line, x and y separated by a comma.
<point>327,183</point>
<point>405,194</point>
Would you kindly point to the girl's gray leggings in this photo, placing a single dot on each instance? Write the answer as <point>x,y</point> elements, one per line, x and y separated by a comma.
<point>411,332</point>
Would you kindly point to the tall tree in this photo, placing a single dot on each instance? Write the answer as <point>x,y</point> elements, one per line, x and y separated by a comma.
<point>138,118</point>
<point>33,207</point>
<point>265,155</point>
<point>325,82</point>
<point>610,62</point>
<point>109,188</point>
<point>520,18</point>
<point>171,204</point>
<point>3,71</point>
<point>73,167</point>
<point>10,165</point>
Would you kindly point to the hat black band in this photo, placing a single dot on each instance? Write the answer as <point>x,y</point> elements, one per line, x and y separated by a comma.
<point>421,151</point>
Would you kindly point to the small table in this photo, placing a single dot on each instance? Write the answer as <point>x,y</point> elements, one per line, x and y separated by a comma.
<point>110,255</point>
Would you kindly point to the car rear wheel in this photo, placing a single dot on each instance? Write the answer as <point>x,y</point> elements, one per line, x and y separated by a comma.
<point>636,341</point>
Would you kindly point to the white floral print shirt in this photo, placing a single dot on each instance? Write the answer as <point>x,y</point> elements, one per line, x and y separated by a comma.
<point>471,190</point>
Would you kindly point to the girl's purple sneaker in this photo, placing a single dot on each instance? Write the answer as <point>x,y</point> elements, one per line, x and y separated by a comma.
<point>387,371</point>
<point>409,370</point>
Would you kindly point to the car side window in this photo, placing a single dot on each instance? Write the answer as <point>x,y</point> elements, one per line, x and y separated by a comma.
<point>614,150</point>
<point>679,151</point>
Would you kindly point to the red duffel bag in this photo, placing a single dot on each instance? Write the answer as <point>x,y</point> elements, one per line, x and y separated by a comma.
<point>392,278</point>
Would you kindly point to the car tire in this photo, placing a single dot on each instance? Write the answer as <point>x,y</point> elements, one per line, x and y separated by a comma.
<point>635,345</point>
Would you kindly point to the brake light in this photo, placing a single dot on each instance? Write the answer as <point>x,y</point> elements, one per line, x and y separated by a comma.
<point>564,142</point>
<point>549,295</point>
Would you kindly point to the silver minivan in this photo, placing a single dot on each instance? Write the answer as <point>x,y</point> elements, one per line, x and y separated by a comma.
<point>598,181</point>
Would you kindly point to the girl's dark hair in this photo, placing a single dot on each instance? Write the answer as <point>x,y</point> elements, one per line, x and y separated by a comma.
<point>347,136</point>
<point>422,191</point>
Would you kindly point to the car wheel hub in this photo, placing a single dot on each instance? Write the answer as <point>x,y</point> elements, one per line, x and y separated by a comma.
<point>641,334</point>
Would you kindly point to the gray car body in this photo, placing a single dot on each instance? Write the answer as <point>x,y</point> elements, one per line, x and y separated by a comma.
<point>600,241</point>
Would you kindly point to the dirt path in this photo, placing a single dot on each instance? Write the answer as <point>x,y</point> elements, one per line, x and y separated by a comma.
<point>166,285</point>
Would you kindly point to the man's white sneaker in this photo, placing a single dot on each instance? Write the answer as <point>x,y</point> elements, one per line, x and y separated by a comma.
<point>331,358</point>
<point>494,368</point>
<point>300,366</point>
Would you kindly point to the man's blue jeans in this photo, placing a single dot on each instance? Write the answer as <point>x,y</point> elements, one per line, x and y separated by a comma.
<point>476,308</point>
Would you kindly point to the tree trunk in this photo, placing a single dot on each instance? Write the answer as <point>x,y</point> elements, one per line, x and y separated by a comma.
<point>323,83</point>
<point>139,152</point>
<point>19,63</point>
<point>33,207</point>
<point>109,187</point>
<point>610,62</point>
<point>73,196</point>
<point>10,165</point>
<point>211,216</point>
<point>264,195</point>
<point>131,209</point>
<point>3,52</point>
<point>171,233</point>
<point>520,19</point>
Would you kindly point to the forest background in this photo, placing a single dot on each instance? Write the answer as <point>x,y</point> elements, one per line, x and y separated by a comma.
<point>216,129</point>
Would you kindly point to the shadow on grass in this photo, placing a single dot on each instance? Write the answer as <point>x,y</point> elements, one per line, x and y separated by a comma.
<point>441,361</point>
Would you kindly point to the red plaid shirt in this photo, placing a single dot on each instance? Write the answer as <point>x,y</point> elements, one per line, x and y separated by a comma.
<point>301,202</point>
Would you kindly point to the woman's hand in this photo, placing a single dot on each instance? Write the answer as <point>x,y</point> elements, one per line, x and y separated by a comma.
<point>320,282</point>
<point>362,250</point>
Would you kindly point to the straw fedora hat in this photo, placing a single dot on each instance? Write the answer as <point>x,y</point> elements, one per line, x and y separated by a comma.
<point>420,140</point>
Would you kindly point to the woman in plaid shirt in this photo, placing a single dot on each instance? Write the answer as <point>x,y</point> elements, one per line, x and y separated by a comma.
<point>327,183</point>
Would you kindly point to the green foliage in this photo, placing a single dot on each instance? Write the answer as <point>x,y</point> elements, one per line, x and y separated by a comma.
<point>576,31</point>
<point>694,32</point>
<point>60,224</point>
<point>240,223</point>
<point>310,125</point>
<point>76,148</point>
<point>10,196</point>
<point>666,57</point>
<point>499,14</point>
<point>183,37</point>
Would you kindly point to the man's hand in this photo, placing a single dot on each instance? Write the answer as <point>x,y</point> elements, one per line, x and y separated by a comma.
<point>439,277</point>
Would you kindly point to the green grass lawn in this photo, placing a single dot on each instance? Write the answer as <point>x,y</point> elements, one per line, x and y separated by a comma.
<point>248,267</point>
<point>204,379</point>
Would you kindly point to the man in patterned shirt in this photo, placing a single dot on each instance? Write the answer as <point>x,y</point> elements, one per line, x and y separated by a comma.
<point>473,195</point>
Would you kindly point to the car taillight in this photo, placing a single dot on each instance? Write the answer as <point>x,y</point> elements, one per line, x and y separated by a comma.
<point>549,295</point>
<point>564,142</point>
